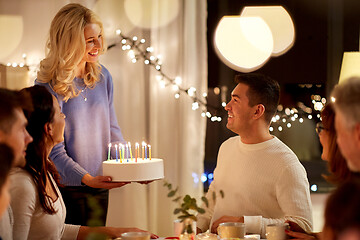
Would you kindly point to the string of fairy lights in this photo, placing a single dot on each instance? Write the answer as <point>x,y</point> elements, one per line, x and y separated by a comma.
<point>138,51</point>
<point>285,117</point>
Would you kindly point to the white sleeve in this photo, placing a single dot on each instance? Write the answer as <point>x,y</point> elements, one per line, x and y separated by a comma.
<point>292,192</point>
<point>70,232</point>
<point>23,201</point>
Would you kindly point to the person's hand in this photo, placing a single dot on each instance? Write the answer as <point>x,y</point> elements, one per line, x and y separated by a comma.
<point>225,219</point>
<point>300,236</point>
<point>296,232</point>
<point>146,182</point>
<point>295,227</point>
<point>101,182</point>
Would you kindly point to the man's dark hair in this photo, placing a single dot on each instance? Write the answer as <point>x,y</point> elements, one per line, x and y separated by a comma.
<point>262,90</point>
<point>6,161</point>
<point>9,101</point>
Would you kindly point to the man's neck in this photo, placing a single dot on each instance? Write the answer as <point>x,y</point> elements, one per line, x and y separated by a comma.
<point>256,138</point>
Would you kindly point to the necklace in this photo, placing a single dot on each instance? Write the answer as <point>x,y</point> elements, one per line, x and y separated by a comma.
<point>85,92</point>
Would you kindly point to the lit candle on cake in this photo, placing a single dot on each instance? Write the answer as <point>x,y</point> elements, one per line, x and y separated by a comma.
<point>123,152</point>
<point>126,152</point>
<point>116,150</point>
<point>130,151</point>
<point>120,152</point>
<point>109,151</point>
<point>149,147</point>
<point>143,150</point>
<point>136,151</point>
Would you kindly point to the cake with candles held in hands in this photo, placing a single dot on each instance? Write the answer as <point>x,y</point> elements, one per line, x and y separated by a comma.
<point>129,167</point>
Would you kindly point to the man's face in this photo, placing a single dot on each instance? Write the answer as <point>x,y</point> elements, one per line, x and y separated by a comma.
<point>18,138</point>
<point>239,111</point>
<point>348,142</point>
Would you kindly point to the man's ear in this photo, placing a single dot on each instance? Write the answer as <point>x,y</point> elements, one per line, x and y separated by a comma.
<point>357,134</point>
<point>259,111</point>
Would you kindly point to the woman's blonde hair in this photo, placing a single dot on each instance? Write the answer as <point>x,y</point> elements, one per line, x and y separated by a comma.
<point>65,49</point>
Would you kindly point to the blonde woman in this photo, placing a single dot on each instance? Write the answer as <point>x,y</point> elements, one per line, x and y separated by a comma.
<point>84,90</point>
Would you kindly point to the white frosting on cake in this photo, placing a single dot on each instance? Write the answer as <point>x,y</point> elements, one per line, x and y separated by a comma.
<point>142,170</point>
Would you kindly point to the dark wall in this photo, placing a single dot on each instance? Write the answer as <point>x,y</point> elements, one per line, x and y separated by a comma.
<point>324,29</point>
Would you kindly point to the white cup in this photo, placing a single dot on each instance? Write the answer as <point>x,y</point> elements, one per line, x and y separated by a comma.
<point>179,226</point>
<point>206,236</point>
<point>231,230</point>
<point>135,236</point>
<point>277,231</point>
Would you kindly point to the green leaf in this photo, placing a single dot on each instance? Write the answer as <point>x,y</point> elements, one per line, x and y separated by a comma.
<point>222,193</point>
<point>177,199</point>
<point>177,210</point>
<point>187,198</point>
<point>205,200</point>
<point>214,196</point>
<point>171,193</point>
<point>169,186</point>
<point>200,210</point>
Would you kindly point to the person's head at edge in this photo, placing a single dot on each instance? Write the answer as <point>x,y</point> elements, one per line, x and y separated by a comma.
<point>46,124</point>
<point>13,123</point>
<point>74,45</point>
<point>253,103</point>
<point>339,171</point>
<point>347,120</point>
<point>342,212</point>
<point>6,161</point>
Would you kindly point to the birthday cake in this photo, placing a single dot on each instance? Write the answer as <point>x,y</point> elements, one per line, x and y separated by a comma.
<point>131,171</point>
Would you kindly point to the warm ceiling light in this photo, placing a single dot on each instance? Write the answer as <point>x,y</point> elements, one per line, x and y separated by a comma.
<point>11,32</point>
<point>350,66</point>
<point>151,13</point>
<point>280,23</point>
<point>243,43</point>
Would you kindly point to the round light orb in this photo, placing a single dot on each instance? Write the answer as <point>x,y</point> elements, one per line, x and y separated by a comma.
<point>151,13</point>
<point>243,43</point>
<point>11,32</point>
<point>280,23</point>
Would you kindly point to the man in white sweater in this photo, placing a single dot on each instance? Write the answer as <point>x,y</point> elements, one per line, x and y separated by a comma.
<point>262,179</point>
<point>13,133</point>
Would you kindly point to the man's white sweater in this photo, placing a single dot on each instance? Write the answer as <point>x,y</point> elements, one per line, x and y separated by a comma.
<point>263,182</point>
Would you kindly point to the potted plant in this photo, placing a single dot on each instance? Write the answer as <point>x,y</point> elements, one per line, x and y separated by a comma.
<point>188,208</point>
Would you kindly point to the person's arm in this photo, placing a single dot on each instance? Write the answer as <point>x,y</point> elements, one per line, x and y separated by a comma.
<point>73,174</point>
<point>293,195</point>
<point>23,202</point>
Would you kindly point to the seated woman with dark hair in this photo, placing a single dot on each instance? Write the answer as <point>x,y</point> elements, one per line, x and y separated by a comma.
<point>337,167</point>
<point>39,210</point>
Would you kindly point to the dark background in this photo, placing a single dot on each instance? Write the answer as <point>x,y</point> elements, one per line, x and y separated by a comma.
<point>324,29</point>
